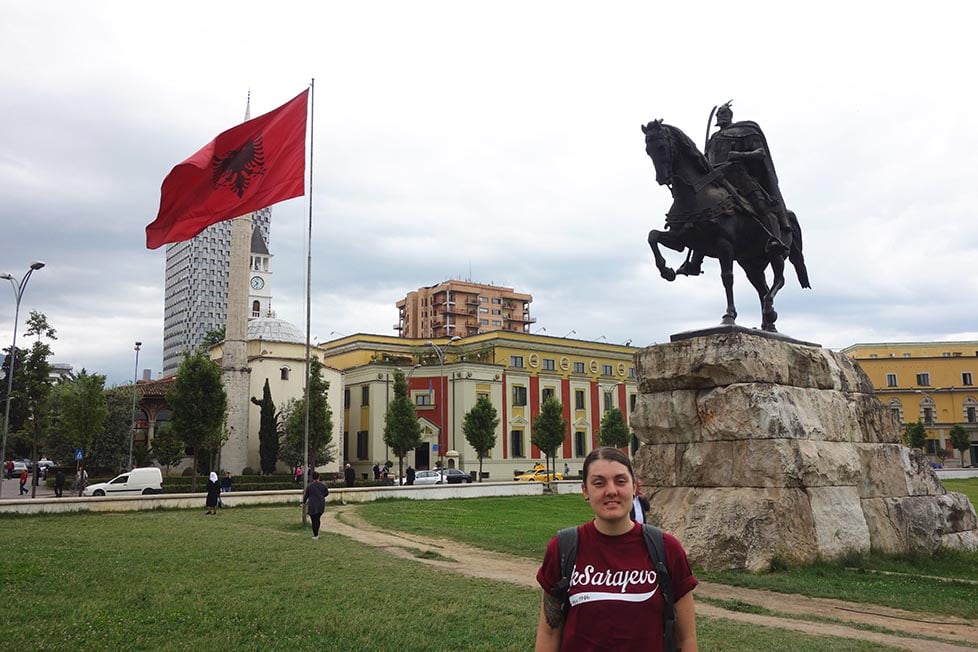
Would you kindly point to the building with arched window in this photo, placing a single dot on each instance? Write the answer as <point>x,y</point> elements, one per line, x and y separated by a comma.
<point>515,371</point>
<point>277,353</point>
<point>933,382</point>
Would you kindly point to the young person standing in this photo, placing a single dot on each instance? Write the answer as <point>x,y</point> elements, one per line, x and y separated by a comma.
<point>615,598</point>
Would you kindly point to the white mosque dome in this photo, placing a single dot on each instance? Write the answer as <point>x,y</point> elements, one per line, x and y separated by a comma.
<point>270,329</point>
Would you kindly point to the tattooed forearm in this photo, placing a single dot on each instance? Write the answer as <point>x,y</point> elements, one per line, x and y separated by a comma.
<point>553,610</point>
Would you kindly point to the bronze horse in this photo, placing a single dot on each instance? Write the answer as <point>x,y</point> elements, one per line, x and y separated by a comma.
<point>710,215</point>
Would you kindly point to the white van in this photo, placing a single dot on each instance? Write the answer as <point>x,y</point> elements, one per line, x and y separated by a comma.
<point>137,482</point>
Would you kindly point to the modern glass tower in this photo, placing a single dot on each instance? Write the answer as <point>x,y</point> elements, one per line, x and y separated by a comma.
<point>195,296</point>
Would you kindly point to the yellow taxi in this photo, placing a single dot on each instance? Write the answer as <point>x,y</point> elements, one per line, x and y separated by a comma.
<point>539,474</point>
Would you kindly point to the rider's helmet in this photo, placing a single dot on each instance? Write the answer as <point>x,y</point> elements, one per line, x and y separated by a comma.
<point>725,113</point>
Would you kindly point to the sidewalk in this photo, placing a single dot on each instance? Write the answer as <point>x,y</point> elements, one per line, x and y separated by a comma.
<point>11,490</point>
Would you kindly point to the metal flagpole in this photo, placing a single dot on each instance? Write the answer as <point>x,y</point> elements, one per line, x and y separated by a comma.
<point>305,447</point>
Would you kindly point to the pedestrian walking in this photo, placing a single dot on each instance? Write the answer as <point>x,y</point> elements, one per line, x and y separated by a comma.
<point>59,483</point>
<point>23,482</point>
<point>81,480</point>
<point>213,493</point>
<point>298,474</point>
<point>349,475</point>
<point>314,498</point>
<point>411,475</point>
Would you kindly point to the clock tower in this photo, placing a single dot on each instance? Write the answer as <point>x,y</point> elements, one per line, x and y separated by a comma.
<point>259,277</point>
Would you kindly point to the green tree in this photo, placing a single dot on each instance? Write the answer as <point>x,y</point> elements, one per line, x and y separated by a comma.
<point>141,455</point>
<point>110,446</point>
<point>268,431</point>
<point>212,337</point>
<point>915,435</point>
<point>18,406</point>
<point>290,447</point>
<point>83,411</point>
<point>320,422</point>
<point>199,403</point>
<point>614,430</point>
<point>960,440</point>
<point>479,426</point>
<point>167,446</point>
<point>36,374</point>
<point>402,432</point>
<point>549,430</point>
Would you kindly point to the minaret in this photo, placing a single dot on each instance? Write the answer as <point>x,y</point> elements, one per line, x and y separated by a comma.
<point>236,373</point>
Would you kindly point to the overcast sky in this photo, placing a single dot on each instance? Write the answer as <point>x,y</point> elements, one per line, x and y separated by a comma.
<point>497,142</point>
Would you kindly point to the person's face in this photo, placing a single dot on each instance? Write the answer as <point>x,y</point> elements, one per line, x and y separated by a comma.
<point>609,490</point>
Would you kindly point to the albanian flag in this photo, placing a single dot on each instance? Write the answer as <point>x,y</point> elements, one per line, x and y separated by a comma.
<point>248,167</point>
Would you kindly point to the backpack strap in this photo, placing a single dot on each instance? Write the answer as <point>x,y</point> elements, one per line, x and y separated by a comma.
<point>567,553</point>
<point>657,551</point>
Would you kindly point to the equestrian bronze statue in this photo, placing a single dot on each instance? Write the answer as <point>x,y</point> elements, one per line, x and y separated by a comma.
<point>728,207</point>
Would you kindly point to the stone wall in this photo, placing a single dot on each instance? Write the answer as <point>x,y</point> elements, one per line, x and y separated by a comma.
<point>757,447</point>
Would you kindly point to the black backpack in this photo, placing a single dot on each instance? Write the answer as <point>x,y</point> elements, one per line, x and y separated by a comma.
<point>567,550</point>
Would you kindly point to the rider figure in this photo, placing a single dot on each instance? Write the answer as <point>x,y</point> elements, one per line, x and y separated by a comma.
<point>754,178</point>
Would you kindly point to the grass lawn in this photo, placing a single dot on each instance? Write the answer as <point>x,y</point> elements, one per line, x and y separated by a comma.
<point>251,578</point>
<point>968,487</point>
<point>517,526</point>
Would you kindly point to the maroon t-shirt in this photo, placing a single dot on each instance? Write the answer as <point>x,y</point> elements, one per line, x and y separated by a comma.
<point>614,594</point>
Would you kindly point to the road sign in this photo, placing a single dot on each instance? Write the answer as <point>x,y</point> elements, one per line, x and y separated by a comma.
<point>79,454</point>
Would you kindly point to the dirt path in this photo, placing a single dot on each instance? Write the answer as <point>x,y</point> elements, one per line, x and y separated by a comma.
<point>953,634</point>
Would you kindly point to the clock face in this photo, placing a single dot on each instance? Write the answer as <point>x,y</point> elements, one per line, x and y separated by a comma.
<point>257,282</point>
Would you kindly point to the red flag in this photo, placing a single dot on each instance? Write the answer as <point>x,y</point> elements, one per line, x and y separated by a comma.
<point>248,167</point>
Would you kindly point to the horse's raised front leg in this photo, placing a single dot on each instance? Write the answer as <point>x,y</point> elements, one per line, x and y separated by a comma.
<point>726,275</point>
<point>655,237</point>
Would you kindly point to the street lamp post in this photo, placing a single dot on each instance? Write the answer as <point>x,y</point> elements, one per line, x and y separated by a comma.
<point>440,352</point>
<point>18,295</point>
<point>132,432</point>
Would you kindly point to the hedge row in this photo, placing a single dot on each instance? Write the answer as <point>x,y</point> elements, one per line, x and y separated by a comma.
<point>180,484</point>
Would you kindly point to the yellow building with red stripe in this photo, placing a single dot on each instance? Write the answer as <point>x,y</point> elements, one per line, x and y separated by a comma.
<point>516,371</point>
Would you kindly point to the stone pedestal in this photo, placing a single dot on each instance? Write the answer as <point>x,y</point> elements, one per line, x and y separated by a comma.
<point>756,448</point>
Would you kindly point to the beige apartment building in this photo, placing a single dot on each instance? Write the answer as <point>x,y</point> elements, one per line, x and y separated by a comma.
<point>461,308</point>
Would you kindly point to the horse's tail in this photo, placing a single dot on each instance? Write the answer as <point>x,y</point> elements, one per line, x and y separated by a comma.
<point>795,254</point>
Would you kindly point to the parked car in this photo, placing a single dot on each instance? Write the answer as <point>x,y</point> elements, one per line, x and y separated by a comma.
<point>539,474</point>
<point>443,476</point>
<point>43,466</point>
<point>427,477</point>
<point>137,482</point>
<point>19,467</point>
<point>455,476</point>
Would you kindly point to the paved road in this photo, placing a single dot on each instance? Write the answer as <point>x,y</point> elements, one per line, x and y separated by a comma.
<point>11,490</point>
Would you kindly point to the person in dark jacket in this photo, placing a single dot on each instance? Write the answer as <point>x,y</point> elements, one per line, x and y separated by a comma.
<point>315,498</point>
<point>213,493</point>
<point>349,475</point>
<point>410,475</point>
<point>59,483</point>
